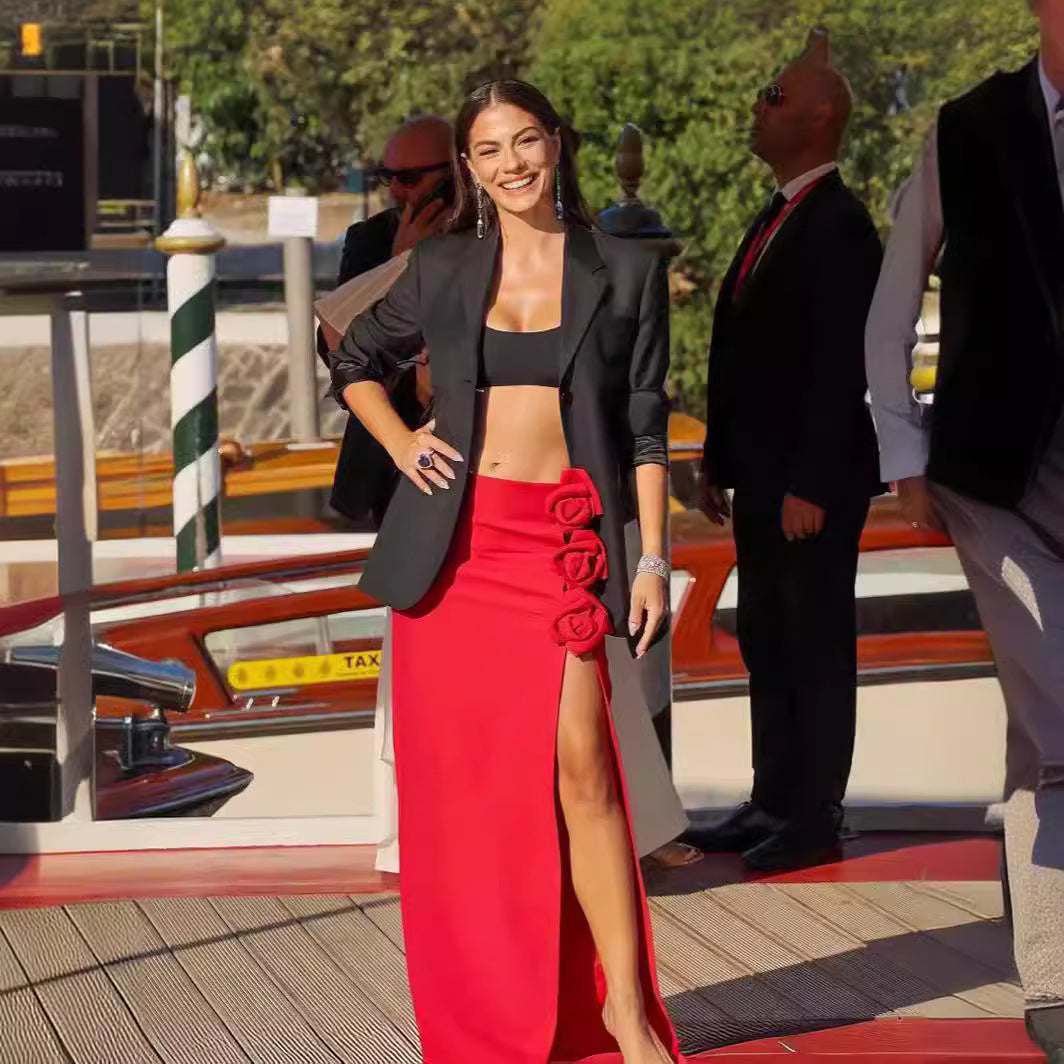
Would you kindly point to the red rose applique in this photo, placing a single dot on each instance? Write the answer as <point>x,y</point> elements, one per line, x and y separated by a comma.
<point>575,501</point>
<point>582,561</point>
<point>582,622</point>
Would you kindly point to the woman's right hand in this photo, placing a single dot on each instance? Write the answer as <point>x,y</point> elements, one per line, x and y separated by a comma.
<point>420,443</point>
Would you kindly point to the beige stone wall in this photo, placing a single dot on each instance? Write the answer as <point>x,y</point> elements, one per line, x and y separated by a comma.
<point>131,396</point>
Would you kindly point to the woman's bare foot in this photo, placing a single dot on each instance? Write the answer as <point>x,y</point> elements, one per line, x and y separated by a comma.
<point>635,1038</point>
<point>673,855</point>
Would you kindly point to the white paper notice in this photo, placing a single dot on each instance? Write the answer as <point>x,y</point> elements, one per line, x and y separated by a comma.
<point>293,216</point>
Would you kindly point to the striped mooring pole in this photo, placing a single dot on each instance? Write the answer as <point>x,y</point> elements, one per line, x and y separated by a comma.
<point>191,243</point>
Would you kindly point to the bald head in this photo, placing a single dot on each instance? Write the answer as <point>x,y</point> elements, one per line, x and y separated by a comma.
<point>805,125</point>
<point>423,143</point>
<point>423,136</point>
<point>826,96</point>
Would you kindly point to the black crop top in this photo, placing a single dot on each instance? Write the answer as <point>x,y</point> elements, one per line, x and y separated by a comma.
<point>508,358</point>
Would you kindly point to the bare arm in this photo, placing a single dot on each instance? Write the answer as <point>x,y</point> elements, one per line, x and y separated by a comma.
<point>652,498</point>
<point>369,402</point>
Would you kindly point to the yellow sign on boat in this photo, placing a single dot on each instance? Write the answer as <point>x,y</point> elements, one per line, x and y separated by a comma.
<point>297,672</point>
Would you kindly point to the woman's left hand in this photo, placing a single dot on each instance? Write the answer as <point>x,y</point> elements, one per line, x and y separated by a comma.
<point>648,609</point>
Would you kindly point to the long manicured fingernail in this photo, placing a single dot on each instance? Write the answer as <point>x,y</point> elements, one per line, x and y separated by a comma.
<point>445,486</point>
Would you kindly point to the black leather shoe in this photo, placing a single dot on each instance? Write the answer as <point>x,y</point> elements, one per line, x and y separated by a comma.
<point>746,827</point>
<point>1046,1028</point>
<point>794,847</point>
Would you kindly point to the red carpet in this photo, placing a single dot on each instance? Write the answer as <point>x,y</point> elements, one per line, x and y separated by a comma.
<point>903,1041</point>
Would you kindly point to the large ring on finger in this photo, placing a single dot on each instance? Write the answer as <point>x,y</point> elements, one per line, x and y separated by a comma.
<point>424,460</point>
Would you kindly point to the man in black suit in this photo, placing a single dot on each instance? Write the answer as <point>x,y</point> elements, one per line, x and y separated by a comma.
<point>789,430</point>
<point>416,162</point>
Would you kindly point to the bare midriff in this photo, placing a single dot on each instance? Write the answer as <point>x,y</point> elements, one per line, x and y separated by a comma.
<point>519,426</point>
<point>519,434</point>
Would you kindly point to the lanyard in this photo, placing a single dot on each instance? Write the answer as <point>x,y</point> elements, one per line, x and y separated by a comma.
<point>762,239</point>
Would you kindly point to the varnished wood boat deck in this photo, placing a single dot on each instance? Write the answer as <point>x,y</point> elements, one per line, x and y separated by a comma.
<point>306,978</point>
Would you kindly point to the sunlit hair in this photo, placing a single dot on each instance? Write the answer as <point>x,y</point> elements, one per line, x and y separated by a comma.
<point>529,99</point>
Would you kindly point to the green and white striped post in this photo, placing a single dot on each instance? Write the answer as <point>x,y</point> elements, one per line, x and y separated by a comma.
<point>191,243</point>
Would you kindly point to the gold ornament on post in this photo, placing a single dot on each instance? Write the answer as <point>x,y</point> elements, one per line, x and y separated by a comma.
<point>631,217</point>
<point>628,162</point>
<point>188,186</point>
<point>189,233</point>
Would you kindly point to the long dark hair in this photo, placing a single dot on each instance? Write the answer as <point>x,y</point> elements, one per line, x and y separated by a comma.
<point>528,98</point>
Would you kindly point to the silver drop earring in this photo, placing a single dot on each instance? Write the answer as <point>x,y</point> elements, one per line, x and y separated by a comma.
<point>559,207</point>
<point>480,211</point>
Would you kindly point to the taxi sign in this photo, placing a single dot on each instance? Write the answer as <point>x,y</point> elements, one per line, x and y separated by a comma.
<point>297,672</point>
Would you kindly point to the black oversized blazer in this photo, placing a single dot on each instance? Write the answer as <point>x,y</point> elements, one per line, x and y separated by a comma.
<point>613,358</point>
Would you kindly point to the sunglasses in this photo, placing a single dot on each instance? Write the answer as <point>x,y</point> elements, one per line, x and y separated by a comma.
<point>409,176</point>
<point>772,95</point>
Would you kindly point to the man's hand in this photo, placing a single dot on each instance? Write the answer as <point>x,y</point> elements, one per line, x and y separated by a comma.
<point>801,519</point>
<point>917,504</point>
<point>431,219</point>
<point>712,501</point>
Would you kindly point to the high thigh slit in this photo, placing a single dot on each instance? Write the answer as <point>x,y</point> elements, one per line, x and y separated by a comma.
<point>500,959</point>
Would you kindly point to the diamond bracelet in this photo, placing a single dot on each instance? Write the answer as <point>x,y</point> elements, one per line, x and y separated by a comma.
<point>653,563</point>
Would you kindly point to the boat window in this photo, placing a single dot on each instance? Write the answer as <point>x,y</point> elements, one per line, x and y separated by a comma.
<point>289,655</point>
<point>898,591</point>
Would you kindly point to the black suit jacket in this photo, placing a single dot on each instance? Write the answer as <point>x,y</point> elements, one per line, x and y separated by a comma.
<point>786,408</point>
<point>368,244</point>
<point>613,359</point>
<point>365,476</point>
<point>1002,274</point>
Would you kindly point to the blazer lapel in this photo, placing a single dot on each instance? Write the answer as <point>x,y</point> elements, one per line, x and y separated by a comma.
<point>583,286</point>
<point>1030,167</point>
<point>783,236</point>
<point>726,293</point>
<point>475,275</point>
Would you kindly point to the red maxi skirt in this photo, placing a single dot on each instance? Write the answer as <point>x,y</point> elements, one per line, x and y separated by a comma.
<point>501,963</point>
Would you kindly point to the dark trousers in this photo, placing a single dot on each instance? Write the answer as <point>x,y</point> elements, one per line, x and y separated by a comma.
<point>797,629</point>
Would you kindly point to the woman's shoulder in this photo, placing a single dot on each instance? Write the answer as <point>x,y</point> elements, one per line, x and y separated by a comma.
<point>444,247</point>
<point>626,253</point>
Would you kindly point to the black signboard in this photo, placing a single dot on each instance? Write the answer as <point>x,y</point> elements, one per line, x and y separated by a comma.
<point>42,185</point>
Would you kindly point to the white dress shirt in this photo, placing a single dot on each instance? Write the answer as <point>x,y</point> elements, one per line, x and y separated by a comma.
<point>890,336</point>
<point>792,188</point>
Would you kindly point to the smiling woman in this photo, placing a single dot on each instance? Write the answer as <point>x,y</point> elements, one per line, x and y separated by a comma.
<point>549,349</point>
<point>522,164</point>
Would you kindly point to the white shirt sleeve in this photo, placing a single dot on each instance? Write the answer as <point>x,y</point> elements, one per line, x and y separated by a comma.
<point>890,334</point>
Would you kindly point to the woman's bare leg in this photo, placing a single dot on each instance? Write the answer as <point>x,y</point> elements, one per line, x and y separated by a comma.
<point>600,852</point>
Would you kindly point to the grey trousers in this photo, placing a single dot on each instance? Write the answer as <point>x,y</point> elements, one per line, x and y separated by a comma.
<point>1014,562</point>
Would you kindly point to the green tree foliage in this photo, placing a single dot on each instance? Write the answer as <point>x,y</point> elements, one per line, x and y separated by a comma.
<point>686,73</point>
<point>207,47</point>
<point>291,90</point>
